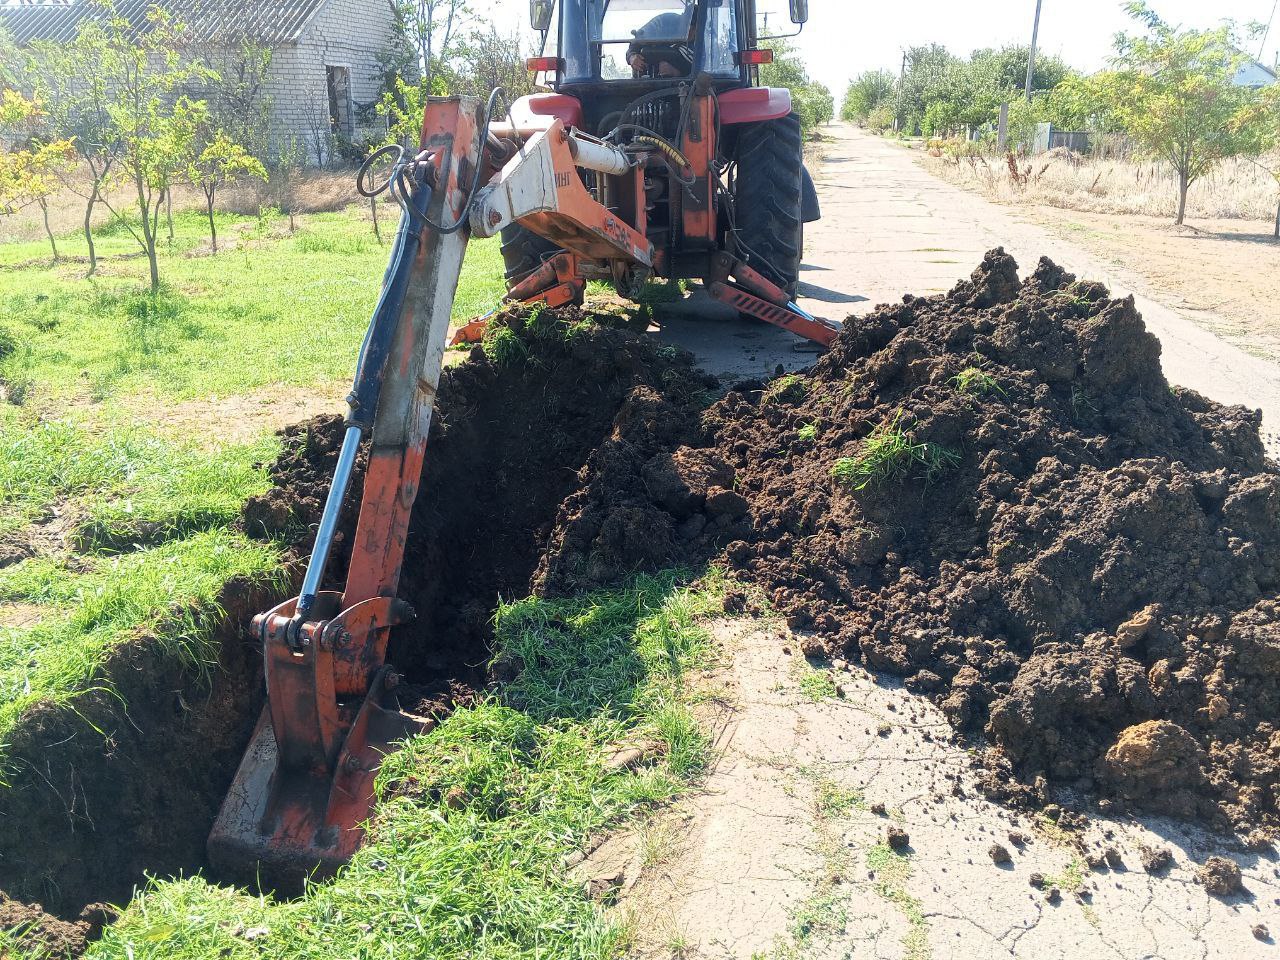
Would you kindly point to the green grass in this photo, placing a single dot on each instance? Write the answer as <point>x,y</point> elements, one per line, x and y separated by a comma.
<point>148,524</point>
<point>789,388</point>
<point>893,870</point>
<point>815,685</point>
<point>90,605</point>
<point>465,856</point>
<point>275,310</point>
<point>976,382</point>
<point>808,433</point>
<point>891,453</point>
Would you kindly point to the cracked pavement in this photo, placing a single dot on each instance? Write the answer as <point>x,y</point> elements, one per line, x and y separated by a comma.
<point>750,851</point>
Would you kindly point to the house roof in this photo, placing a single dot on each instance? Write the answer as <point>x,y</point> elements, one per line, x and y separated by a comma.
<point>270,22</point>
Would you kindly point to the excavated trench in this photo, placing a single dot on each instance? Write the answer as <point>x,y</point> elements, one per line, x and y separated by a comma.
<point>127,785</point>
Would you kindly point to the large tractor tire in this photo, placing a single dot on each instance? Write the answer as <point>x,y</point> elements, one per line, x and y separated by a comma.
<point>769,197</point>
<point>523,251</point>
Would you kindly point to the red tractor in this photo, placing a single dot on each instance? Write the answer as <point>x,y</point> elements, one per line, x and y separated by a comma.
<point>656,156</point>
<point>686,73</point>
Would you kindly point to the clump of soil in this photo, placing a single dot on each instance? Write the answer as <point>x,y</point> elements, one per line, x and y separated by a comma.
<point>995,494</point>
<point>1221,877</point>
<point>38,933</point>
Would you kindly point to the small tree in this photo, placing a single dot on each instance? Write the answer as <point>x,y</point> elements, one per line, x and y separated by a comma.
<point>432,28</point>
<point>72,82</point>
<point>286,176</point>
<point>811,101</point>
<point>144,73</point>
<point>237,95</point>
<point>29,174</point>
<point>1176,96</point>
<point>866,93</point>
<point>217,159</point>
<point>486,59</point>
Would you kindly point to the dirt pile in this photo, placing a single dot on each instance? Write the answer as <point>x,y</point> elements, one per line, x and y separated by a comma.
<point>995,494</point>
<point>41,935</point>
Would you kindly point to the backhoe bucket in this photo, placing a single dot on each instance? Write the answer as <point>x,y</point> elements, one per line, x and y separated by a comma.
<point>281,824</point>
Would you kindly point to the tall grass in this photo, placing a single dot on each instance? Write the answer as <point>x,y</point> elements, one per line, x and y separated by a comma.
<point>1235,189</point>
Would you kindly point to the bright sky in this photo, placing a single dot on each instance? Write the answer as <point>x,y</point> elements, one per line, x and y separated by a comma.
<point>845,37</point>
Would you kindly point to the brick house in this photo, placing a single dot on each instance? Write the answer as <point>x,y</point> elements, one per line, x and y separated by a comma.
<point>325,72</point>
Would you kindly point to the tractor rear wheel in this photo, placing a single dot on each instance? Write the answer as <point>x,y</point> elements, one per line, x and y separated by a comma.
<point>523,252</point>
<point>768,198</point>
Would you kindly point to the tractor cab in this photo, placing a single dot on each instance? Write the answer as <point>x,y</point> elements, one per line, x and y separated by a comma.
<point>607,53</point>
<point>650,42</point>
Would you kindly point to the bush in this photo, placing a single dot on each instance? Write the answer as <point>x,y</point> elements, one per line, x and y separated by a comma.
<point>881,118</point>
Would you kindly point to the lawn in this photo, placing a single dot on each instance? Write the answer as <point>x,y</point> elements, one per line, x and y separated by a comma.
<point>120,476</point>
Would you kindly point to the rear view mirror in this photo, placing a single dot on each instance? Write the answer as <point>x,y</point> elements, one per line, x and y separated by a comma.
<point>799,11</point>
<point>540,14</point>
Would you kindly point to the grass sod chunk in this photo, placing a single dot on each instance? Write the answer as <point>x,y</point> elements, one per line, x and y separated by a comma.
<point>976,381</point>
<point>890,453</point>
<point>465,856</point>
<point>790,388</point>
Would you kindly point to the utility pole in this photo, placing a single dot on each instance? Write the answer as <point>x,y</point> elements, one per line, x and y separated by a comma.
<point>898,106</point>
<point>1031,60</point>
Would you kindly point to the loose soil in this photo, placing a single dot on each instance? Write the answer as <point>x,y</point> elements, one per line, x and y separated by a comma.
<point>1073,558</point>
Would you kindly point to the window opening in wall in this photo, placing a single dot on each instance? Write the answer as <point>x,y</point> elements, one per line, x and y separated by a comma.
<point>340,113</point>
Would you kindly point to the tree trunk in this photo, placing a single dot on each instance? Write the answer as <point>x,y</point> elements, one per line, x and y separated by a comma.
<point>1278,219</point>
<point>88,229</point>
<point>213,227</point>
<point>373,206</point>
<point>168,212</point>
<point>44,209</point>
<point>149,234</point>
<point>1183,186</point>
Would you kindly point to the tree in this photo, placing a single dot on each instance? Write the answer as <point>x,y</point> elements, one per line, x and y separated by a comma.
<point>926,79</point>
<point>811,101</point>
<point>1084,103</point>
<point>151,123</point>
<point>432,27</point>
<point>29,173</point>
<point>1266,116</point>
<point>867,92</point>
<point>215,159</point>
<point>1176,96</point>
<point>486,59</point>
<point>236,93</point>
<point>1007,69</point>
<point>71,81</point>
